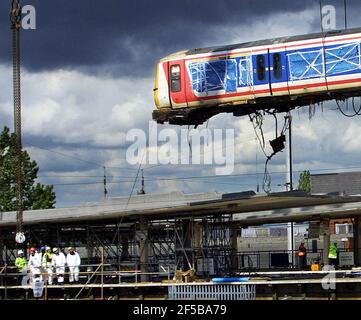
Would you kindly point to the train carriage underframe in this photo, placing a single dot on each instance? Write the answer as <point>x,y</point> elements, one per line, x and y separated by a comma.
<point>198,115</point>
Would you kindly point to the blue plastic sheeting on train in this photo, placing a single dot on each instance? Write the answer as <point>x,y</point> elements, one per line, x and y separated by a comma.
<point>343,58</point>
<point>245,71</point>
<point>216,75</point>
<point>213,75</point>
<point>223,280</point>
<point>231,76</point>
<point>306,64</point>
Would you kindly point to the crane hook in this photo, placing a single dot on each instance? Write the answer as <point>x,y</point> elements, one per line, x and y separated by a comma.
<point>15,14</point>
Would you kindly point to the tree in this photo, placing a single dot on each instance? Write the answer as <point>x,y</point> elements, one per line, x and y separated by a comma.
<point>304,183</point>
<point>35,195</point>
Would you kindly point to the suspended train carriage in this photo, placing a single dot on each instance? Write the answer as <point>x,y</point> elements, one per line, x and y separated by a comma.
<point>281,74</point>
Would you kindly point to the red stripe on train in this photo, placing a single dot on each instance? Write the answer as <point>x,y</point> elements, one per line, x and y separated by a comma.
<point>255,92</point>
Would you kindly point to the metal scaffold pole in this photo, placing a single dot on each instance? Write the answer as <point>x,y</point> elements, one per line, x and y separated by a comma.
<point>102,273</point>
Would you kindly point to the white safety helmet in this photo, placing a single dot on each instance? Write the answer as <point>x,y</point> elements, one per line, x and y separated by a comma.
<point>55,249</point>
<point>20,252</point>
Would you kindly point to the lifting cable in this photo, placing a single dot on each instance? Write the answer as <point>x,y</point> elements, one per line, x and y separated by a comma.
<point>15,18</point>
<point>257,122</point>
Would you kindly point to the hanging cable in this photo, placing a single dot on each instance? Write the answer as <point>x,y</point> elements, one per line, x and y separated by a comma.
<point>357,112</point>
<point>276,121</point>
<point>278,144</point>
<point>311,111</point>
<point>257,122</point>
<point>189,142</point>
<point>267,178</point>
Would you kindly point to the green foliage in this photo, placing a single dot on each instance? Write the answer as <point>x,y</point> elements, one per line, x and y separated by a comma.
<point>304,183</point>
<point>35,195</point>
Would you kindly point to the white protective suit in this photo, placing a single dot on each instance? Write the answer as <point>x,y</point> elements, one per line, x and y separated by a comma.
<point>73,262</point>
<point>47,262</point>
<point>34,265</point>
<point>59,265</point>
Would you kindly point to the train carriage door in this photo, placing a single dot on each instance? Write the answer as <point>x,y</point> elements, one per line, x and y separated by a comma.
<point>177,88</point>
<point>278,72</point>
<point>261,75</point>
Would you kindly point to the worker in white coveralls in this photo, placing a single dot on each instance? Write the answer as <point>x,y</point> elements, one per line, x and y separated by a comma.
<point>59,264</point>
<point>34,264</point>
<point>48,265</point>
<point>73,262</point>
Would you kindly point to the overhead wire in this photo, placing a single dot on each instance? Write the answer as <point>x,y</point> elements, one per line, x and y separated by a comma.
<point>207,176</point>
<point>67,155</point>
<point>128,200</point>
<point>146,180</point>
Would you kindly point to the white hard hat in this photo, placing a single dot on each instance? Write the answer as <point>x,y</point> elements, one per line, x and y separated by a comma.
<point>20,252</point>
<point>55,249</point>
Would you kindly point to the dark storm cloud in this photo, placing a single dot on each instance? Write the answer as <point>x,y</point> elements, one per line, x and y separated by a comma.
<point>127,37</point>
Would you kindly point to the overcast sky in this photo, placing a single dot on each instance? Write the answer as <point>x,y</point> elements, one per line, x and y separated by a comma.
<point>87,78</point>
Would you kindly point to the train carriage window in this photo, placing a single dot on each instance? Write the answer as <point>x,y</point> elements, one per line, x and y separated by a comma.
<point>175,78</point>
<point>277,66</point>
<point>261,68</point>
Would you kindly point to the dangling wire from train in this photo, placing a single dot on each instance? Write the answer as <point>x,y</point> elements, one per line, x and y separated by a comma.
<point>356,112</point>
<point>311,111</point>
<point>189,141</point>
<point>257,122</point>
<point>207,123</point>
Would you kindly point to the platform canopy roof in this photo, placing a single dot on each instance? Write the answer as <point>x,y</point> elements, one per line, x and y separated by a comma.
<point>247,208</point>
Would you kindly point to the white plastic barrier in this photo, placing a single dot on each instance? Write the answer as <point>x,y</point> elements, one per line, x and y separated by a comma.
<point>212,292</point>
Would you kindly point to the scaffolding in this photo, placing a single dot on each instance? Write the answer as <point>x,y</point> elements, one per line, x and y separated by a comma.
<point>179,243</point>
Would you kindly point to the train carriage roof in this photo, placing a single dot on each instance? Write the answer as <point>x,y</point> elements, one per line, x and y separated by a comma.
<point>273,41</point>
<point>263,42</point>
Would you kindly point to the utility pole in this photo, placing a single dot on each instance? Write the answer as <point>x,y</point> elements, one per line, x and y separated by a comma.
<point>289,185</point>
<point>257,165</point>
<point>142,190</point>
<point>105,182</point>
